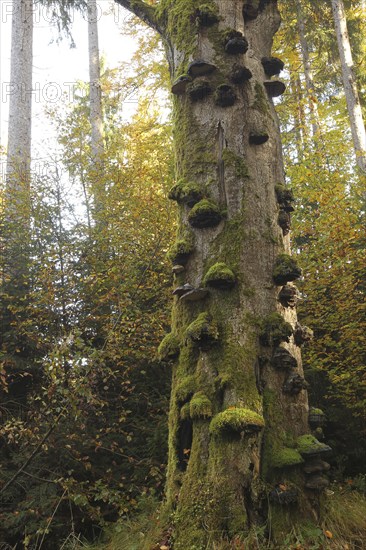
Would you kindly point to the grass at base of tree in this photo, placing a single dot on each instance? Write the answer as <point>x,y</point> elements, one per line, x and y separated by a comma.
<point>342,527</point>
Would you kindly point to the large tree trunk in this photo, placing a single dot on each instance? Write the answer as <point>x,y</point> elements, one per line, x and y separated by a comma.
<point>350,85</point>
<point>17,194</point>
<point>236,416</point>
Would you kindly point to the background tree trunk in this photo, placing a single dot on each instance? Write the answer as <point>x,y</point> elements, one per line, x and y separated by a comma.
<point>350,86</point>
<point>17,194</point>
<point>96,109</point>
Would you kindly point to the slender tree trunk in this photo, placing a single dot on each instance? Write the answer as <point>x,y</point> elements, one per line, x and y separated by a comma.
<point>96,110</point>
<point>236,422</point>
<point>350,86</point>
<point>95,95</point>
<point>309,82</point>
<point>17,194</point>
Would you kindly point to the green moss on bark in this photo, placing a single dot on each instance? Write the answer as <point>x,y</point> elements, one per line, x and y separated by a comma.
<point>219,276</point>
<point>236,420</point>
<point>285,270</point>
<point>200,406</point>
<point>186,192</point>
<point>236,162</point>
<point>285,458</point>
<point>203,331</point>
<point>274,330</point>
<point>169,348</point>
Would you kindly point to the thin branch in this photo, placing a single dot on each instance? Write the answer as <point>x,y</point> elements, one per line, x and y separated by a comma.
<point>33,454</point>
<point>143,11</point>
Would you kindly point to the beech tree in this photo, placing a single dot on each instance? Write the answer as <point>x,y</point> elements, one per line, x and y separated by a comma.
<point>350,85</point>
<point>238,420</point>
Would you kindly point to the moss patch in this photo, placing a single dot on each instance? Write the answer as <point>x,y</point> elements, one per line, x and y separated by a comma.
<point>200,406</point>
<point>286,457</point>
<point>203,331</point>
<point>205,214</point>
<point>185,389</point>
<point>169,347</point>
<point>236,420</point>
<point>219,276</point>
<point>186,193</point>
<point>260,99</point>
<point>181,249</point>
<point>236,162</point>
<point>308,445</point>
<point>285,270</point>
<point>274,330</point>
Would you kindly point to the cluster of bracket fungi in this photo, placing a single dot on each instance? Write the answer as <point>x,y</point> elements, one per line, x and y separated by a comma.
<point>197,84</point>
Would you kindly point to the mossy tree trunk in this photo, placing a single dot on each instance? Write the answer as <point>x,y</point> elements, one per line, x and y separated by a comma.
<point>239,402</point>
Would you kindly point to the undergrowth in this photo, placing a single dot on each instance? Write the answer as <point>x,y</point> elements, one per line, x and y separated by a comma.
<point>342,527</point>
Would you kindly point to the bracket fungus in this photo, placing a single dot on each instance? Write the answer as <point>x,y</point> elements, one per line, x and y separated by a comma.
<point>203,332</point>
<point>285,270</point>
<point>317,418</point>
<point>177,269</point>
<point>288,296</point>
<point>205,214</point>
<point>168,348</point>
<point>181,250</point>
<point>286,457</point>
<point>308,446</point>
<point>184,192</point>
<point>199,89</point>
<point>207,16</point>
<point>302,334</point>
<point>284,221</point>
<point>250,10</point>
<point>258,138</point>
<point>200,406</point>
<point>274,330</point>
<point>283,360</point>
<point>317,483</point>
<point>224,96</point>
<point>180,84</point>
<point>183,289</point>
<point>284,495</point>
<point>272,65</point>
<point>274,88</point>
<point>240,74</point>
<point>220,276</point>
<point>199,67</point>
<point>236,420</point>
<point>235,43</point>
<point>316,465</point>
<point>294,384</point>
<point>194,295</point>
<point>285,197</point>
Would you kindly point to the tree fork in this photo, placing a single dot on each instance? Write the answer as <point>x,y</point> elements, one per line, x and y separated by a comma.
<point>236,422</point>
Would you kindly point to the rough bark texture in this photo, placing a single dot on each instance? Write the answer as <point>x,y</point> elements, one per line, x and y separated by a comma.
<point>350,86</point>
<point>234,427</point>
